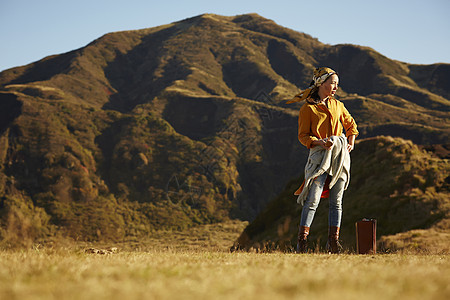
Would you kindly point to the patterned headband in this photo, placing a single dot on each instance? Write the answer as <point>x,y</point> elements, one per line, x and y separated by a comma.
<point>319,77</point>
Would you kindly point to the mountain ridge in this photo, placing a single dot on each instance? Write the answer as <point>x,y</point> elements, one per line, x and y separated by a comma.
<point>185,123</point>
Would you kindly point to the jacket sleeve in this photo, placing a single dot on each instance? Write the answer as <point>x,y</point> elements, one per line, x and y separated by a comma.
<point>348,122</point>
<point>304,127</point>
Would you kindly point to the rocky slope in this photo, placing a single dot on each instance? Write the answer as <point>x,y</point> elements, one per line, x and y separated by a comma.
<point>184,124</point>
<point>406,189</point>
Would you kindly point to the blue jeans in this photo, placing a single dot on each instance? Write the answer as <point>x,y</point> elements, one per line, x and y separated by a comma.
<point>313,199</point>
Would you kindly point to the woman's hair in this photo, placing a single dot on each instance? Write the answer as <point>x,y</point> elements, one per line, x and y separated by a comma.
<point>314,96</point>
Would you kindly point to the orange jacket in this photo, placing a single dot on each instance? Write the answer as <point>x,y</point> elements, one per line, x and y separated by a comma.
<point>316,121</point>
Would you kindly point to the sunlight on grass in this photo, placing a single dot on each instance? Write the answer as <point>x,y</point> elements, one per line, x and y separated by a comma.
<point>169,274</point>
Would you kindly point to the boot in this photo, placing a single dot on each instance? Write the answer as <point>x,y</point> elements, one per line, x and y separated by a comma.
<point>302,242</point>
<point>333,244</point>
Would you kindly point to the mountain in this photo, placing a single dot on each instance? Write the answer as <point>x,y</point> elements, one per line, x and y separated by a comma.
<point>185,124</point>
<point>403,187</point>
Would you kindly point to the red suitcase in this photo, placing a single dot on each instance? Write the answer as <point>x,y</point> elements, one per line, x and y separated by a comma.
<point>366,236</point>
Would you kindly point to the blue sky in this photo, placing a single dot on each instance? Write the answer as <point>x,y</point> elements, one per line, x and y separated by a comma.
<point>413,31</point>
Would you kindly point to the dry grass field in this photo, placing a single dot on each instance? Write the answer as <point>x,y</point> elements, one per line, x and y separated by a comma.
<point>204,269</point>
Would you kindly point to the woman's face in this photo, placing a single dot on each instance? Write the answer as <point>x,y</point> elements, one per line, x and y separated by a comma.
<point>329,87</point>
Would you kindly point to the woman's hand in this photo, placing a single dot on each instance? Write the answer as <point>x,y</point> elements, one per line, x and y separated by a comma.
<point>351,143</point>
<point>350,147</point>
<point>324,143</point>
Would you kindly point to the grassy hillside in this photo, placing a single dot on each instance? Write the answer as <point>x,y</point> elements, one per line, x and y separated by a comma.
<point>407,190</point>
<point>184,124</point>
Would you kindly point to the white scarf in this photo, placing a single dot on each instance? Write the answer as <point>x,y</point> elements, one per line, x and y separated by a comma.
<point>335,162</point>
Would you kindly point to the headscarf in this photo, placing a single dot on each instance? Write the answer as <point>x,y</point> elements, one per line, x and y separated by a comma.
<point>320,76</point>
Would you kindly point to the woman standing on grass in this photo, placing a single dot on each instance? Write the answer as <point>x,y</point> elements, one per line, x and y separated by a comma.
<point>327,171</point>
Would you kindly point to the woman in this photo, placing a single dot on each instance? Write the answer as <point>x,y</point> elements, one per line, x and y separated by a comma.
<point>327,172</point>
